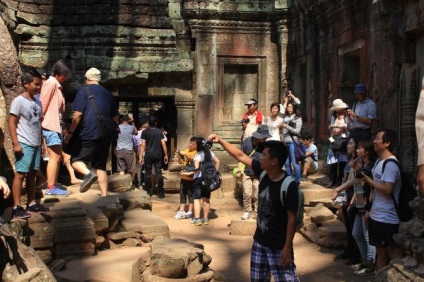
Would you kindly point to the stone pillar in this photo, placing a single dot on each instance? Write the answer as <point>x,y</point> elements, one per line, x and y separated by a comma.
<point>185,122</point>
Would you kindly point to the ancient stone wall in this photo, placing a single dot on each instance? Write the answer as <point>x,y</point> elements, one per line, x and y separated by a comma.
<point>333,46</point>
<point>185,50</point>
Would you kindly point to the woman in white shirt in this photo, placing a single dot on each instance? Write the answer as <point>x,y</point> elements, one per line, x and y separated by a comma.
<point>274,122</point>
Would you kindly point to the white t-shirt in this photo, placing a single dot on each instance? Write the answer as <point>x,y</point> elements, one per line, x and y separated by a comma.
<point>274,127</point>
<point>200,156</point>
<point>383,209</point>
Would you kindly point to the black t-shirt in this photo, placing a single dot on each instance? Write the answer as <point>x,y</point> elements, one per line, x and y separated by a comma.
<point>271,226</point>
<point>153,137</point>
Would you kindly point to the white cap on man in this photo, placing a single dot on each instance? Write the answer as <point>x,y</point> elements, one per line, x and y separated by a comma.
<point>93,74</point>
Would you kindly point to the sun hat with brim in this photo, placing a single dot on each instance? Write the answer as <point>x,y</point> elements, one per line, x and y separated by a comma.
<point>338,104</point>
<point>262,132</point>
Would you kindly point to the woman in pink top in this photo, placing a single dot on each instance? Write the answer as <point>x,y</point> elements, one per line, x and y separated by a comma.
<point>53,104</point>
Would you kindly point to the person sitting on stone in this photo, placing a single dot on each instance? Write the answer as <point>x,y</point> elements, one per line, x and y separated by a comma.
<point>310,164</point>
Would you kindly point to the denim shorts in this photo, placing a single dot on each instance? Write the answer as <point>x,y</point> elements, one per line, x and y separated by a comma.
<point>29,160</point>
<point>53,138</point>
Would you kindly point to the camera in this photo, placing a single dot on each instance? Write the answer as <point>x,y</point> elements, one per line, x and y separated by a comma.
<point>207,144</point>
<point>365,170</point>
<point>286,93</point>
<point>246,120</point>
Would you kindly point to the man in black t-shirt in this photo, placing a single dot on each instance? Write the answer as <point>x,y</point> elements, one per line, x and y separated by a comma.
<point>272,250</point>
<point>153,141</point>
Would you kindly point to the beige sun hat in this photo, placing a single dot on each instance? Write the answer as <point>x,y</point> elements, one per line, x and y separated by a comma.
<point>339,104</point>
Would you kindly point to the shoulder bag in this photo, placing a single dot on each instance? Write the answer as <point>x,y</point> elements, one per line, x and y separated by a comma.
<point>107,128</point>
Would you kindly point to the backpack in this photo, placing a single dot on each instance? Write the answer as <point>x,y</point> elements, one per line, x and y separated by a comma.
<point>407,194</point>
<point>301,199</point>
<point>211,178</point>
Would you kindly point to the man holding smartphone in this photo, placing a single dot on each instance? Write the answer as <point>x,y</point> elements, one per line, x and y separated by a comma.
<point>362,114</point>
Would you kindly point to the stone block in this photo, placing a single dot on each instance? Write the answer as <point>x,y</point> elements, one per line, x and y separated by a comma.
<point>101,222</point>
<point>119,236</point>
<point>243,227</point>
<point>333,229</point>
<point>176,258</point>
<point>110,265</point>
<point>63,250</point>
<point>45,255</point>
<point>310,232</point>
<point>79,229</point>
<point>327,202</point>
<point>319,214</point>
<point>116,183</point>
<point>331,243</point>
<point>313,192</point>
<point>149,225</point>
<point>42,237</point>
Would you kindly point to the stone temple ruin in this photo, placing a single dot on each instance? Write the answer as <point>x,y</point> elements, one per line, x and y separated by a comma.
<point>196,62</point>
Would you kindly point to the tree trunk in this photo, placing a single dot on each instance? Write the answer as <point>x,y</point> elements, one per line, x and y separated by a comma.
<point>10,87</point>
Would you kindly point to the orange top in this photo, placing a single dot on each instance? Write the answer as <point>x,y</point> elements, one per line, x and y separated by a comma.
<point>53,103</point>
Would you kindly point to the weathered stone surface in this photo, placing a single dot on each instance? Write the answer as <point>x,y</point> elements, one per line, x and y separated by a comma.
<point>116,183</point>
<point>333,229</point>
<point>243,227</point>
<point>207,276</point>
<point>122,235</point>
<point>319,214</point>
<point>36,269</point>
<point>149,225</point>
<point>310,232</point>
<point>135,199</point>
<point>111,265</point>
<point>314,192</point>
<point>176,258</point>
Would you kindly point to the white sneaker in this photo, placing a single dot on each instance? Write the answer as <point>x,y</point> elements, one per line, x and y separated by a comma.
<point>180,215</point>
<point>245,216</point>
<point>188,215</point>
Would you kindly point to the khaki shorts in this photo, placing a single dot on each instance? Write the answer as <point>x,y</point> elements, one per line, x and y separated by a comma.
<point>313,167</point>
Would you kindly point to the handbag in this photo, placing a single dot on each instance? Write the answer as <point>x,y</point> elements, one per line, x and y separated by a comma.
<point>299,150</point>
<point>339,143</point>
<point>107,128</point>
<point>243,166</point>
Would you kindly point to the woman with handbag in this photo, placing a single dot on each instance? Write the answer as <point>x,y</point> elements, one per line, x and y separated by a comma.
<point>337,152</point>
<point>292,125</point>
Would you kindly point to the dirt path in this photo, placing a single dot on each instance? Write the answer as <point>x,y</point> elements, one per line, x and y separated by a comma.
<point>231,253</point>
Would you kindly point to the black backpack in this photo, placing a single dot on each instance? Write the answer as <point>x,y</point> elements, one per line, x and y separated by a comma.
<point>407,193</point>
<point>211,178</point>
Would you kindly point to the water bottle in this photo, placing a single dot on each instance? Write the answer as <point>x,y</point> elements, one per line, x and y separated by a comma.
<point>359,192</point>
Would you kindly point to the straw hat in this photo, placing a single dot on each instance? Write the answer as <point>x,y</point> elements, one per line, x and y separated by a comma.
<point>338,104</point>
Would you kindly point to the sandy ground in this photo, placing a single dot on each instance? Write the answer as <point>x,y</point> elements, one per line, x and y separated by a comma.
<point>231,253</point>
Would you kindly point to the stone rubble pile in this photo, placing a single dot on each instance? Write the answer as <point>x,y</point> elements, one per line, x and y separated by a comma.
<point>89,238</point>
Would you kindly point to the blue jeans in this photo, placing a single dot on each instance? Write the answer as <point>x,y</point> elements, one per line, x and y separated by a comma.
<point>291,161</point>
<point>360,233</point>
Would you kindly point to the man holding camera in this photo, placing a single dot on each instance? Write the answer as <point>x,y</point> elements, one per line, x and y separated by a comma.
<point>251,119</point>
<point>362,114</point>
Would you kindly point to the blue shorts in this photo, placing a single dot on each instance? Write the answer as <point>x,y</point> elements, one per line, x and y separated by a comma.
<point>29,160</point>
<point>53,138</point>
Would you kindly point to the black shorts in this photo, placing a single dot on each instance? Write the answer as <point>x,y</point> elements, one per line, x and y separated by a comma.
<point>381,234</point>
<point>95,152</point>
<point>199,191</point>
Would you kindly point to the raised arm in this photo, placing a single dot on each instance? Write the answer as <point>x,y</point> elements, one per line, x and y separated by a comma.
<point>232,150</point>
